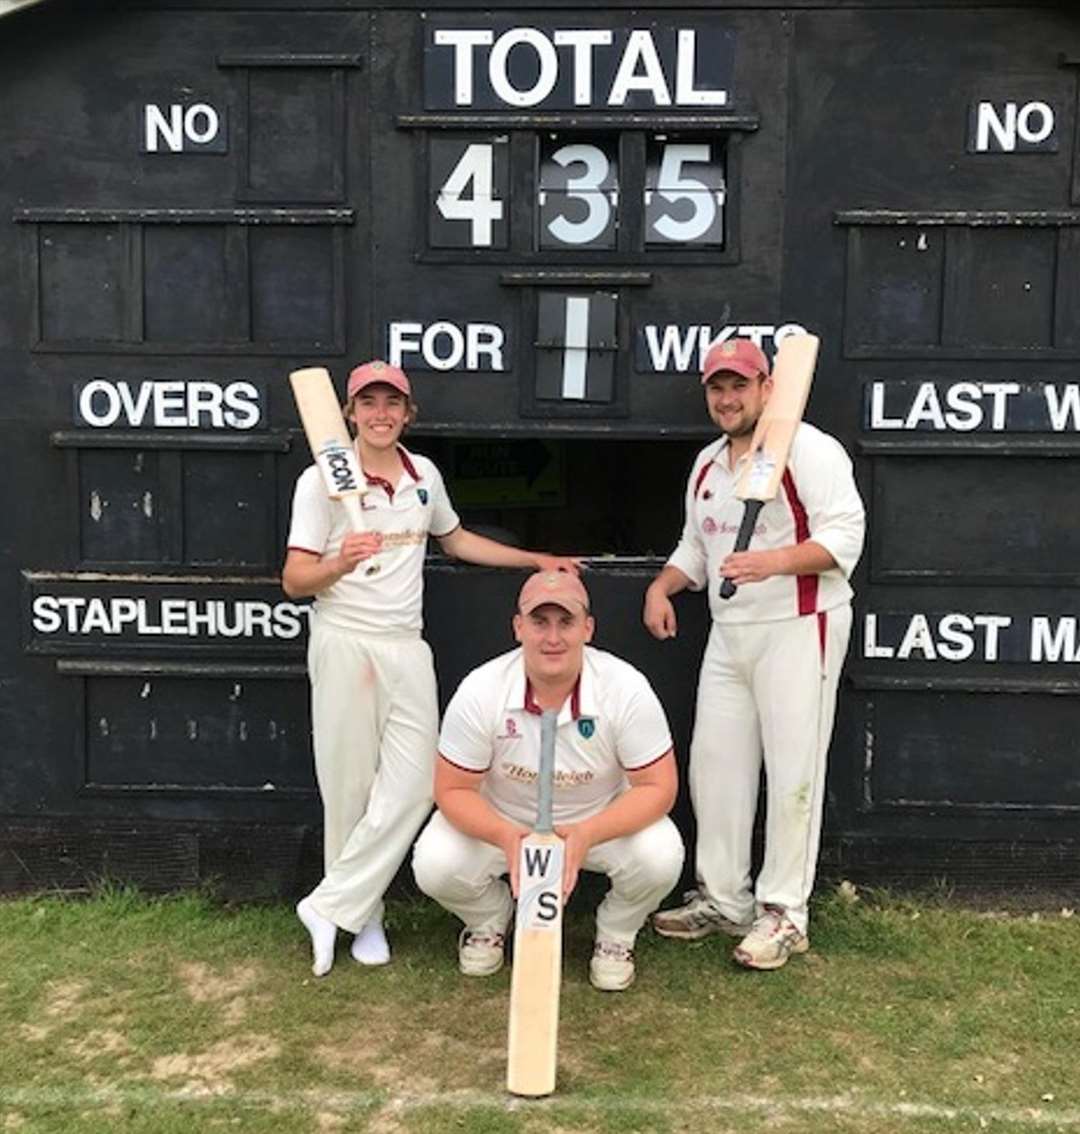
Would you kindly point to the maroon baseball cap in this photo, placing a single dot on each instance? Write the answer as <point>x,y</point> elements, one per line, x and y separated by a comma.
<point>741,356</point>
<point>563,588</point>
<point>377,372</point>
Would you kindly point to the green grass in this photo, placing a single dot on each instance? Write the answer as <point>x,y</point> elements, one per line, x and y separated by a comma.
<point>178,1015</point>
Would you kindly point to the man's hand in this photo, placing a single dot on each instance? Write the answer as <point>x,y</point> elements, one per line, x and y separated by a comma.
<point>743,567</point>
<point>576,845</point>
<point>659,615</point>
<point>356,547</point>
<point>510,842</point>
<point>545,562</point>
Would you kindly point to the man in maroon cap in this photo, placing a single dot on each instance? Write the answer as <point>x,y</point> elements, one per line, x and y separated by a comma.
<point>768,682</point>
<point>373,696</point>
<point>615,782</point>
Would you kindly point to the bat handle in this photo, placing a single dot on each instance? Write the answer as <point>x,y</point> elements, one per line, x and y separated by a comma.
<point>742,540</point>
<point>355,511</point>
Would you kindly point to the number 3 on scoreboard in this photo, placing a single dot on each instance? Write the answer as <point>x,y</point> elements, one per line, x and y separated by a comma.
<point>470,201</point>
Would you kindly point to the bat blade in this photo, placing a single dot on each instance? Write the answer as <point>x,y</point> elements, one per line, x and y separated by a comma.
<point>537,974</point>
<point>331,446</point>
<point>792,375</point>
<point>532,1050</point>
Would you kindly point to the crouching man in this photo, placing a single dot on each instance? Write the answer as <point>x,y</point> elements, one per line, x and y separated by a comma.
<point>615,781</point>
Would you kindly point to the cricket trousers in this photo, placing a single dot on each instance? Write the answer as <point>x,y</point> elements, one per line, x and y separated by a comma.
<point>767,692</point>
<point>464,875</point>
<point>375,729</point>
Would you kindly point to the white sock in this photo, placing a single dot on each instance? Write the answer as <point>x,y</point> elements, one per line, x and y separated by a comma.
<point>323,936</point>
<point>370,946</point>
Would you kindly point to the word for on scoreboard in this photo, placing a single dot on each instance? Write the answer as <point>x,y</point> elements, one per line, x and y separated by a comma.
<point>103,403</point>
<point>508,67</point>
<point>959,637</point>
<point>446,345</point>
<point>579,193</point>
<point>971,406</point>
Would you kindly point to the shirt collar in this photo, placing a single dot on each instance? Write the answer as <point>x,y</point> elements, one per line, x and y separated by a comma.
<point>580,703</point>
<point>406,463</point>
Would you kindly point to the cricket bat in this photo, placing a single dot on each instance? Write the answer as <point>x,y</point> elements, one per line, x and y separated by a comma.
<point>328,436</point>
<point>792,373</point>
<point>534,985</point>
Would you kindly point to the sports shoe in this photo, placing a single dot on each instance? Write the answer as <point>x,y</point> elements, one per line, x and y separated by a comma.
<point>612,966</point>
<point>773,939</point>
<point>480,952</point>
<point>696,919</point>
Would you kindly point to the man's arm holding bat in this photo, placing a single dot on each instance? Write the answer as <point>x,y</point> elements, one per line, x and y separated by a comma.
<point>307,573</point>
<point>835,517</point>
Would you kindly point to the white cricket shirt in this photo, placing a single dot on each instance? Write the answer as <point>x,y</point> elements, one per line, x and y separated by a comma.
<point>389,601</point>
<point>613,722</point>
<point>817,500</point>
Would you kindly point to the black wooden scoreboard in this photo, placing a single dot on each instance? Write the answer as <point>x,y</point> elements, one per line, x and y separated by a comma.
<point>545,214</point>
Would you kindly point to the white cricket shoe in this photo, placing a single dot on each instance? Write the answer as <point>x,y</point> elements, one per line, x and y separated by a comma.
<point>698,917</point>
<point>481,952</point>
<point>773,939</point>
<point>612,966</point>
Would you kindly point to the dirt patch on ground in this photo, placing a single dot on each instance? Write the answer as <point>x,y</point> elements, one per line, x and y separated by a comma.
<point>63,998</point>
<point>205,986</point>
<point>101,1041</point>
<point>211,1069</point>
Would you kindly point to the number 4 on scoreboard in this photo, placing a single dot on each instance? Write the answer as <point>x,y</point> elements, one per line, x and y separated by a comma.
<point>472,181</point>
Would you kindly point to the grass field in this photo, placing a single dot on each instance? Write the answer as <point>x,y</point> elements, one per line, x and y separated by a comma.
<point>123,1013</point>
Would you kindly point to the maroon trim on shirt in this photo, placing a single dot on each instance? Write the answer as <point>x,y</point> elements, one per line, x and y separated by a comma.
<point>462,768</point>
<point>642,767</point>
<point>297,547</point>
<point>807,584</point>
<point>575,699</point>
<point>701,478</point>
<point>822,630</point>
<point>385,485</point>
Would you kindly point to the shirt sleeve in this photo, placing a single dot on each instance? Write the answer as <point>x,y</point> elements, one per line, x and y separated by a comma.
<point>689,554</point>
<point>443,517</point>
<point>309,529</point>
<point>835,513</point>
<point>643,734</point>
<point>465,739</point>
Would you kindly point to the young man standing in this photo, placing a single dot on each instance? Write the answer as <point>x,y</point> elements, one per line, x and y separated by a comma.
<point>373,696</point>
<point>769,677</point>
<point>615,781</point>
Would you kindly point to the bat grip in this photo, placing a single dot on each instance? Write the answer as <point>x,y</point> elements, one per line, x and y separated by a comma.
<point>355,511</point>
<point>546,772</point>
<point>742,540</point>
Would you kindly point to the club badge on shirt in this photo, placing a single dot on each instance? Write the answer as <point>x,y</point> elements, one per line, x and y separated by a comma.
<point>586,727</point>
<point>423,494</point>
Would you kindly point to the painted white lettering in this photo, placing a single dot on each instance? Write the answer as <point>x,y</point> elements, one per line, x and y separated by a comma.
<point>463,41</point>
<point>1063,407</point>
<point>484,339</point>
<point>430,346</point>
<point>125,611</point>
<point>498,71</point>
<point>686,92</point>
<point>157,129</point>
<point>926,407</point>
<point>402,341</point>
<point>640,51</point>
<point>46,615</point>
<point>987,122</point>
<point>135,406</point>
<point>96,618</point>
<point>198,619</point>
<point>871,649</point>
<point>174,616</point>
<point>205,398</point>
<point>992,623</point>
<point>201,111</point>
<point>1053,644</point>
<point>878,420</point>
<point>582,42</point>
<point>258,616</point>
<point>964,400</point>
<point>169,404</point>
<point>1000,392</point>
<point>91,395</point>
<point>917,637</point>
<point>957,641</point>
<point>677,344</point>
<point>1034,135</point>
<point>242,398</point>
